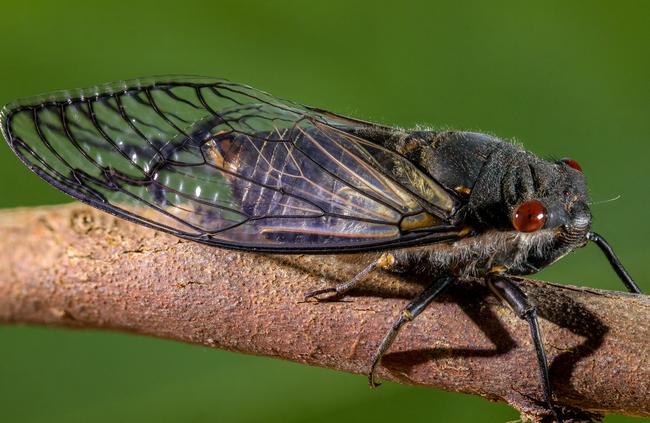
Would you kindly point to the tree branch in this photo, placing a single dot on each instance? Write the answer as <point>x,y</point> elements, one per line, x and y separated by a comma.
<point>77,267</point>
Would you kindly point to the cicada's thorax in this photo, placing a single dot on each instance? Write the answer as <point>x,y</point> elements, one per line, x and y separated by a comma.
<point>491,178</point>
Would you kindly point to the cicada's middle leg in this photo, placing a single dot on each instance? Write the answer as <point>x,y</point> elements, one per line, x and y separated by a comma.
<point>410,312</point>
<point>386,261</point>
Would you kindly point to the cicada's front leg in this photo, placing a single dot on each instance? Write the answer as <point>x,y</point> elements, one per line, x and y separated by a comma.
<point>504,288</point>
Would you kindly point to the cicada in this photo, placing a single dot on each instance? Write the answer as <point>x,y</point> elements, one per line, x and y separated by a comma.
<point>227,165</point>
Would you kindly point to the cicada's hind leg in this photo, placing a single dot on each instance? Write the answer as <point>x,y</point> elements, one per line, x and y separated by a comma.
<point>410,312</point>
<point>385,261</point>
<point>509,292</point>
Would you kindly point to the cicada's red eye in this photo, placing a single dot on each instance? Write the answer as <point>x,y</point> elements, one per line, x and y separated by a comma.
<point>529,216</point>
<point>572,164</point>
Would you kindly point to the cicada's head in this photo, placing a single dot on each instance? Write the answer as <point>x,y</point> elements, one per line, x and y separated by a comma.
<point>525,212</point>
<point>546,204</point>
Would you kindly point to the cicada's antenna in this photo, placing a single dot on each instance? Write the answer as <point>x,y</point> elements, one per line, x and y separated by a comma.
<point>614,261</point>
<point>593,203</point>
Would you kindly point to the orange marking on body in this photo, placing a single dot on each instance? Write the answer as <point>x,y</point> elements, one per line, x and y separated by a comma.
<point>418,221</point>
<point>465,231</point>
<point>463,190</point>
<point>386,261</point>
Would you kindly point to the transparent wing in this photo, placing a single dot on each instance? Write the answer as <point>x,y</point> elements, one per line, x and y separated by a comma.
<point>225,164</point>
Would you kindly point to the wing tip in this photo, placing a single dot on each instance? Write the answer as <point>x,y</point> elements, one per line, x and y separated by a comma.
<point>5,117</point>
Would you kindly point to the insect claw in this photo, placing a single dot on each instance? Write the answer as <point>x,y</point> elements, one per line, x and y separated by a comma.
<point>372,382</point>
<point>556,415</point>
<point>371,375</point>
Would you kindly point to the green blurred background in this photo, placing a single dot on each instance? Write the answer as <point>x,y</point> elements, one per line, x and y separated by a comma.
<point>566,78</point>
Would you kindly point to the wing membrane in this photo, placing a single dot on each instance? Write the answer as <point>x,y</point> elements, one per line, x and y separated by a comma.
<point>228,165</point>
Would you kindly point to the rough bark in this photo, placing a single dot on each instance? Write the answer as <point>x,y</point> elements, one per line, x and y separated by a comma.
<point>77,267</point>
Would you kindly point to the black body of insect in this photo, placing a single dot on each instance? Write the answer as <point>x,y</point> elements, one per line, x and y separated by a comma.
<point>227,165</point>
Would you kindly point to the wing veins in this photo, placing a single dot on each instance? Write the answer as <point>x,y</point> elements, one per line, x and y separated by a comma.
<point>343,181</point>
<point>109,139</point>
<point>127,120</point>
<point>332,194</point>
<point>172,95</point>
<point>350,171</point>
<point>374,170</point>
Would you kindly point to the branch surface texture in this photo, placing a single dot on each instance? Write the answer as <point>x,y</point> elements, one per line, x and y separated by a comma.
<point>77,267</point>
